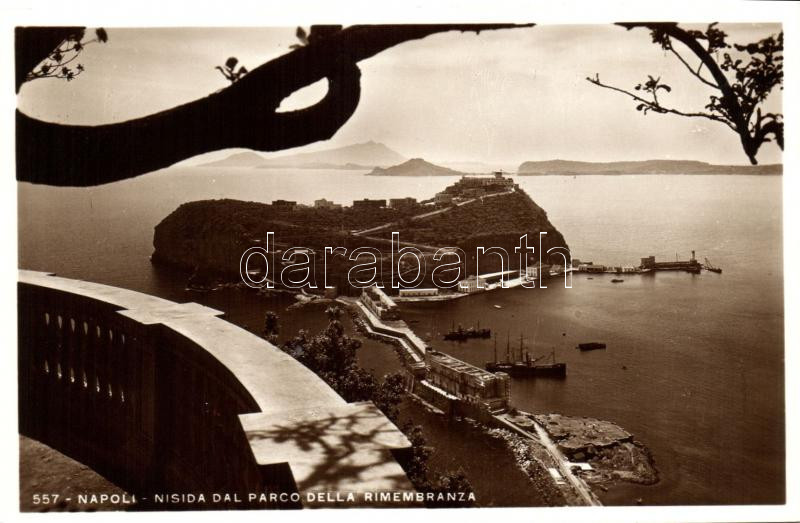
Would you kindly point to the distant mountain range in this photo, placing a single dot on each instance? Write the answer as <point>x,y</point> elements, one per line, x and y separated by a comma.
<point>384,161</point>
<point>415,167</point>
<point>364,156</point>
<point>569,167</point>
<point>244,159</point>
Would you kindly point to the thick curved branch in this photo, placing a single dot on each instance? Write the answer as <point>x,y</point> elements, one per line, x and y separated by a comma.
<point>242,115</point>
<point>93,155</point>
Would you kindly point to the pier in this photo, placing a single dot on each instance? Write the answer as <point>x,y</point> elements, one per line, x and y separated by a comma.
<point>453,387</point>
<point>647,265</point>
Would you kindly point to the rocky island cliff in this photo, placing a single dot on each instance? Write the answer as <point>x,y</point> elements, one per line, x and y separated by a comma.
<point>209,236</point>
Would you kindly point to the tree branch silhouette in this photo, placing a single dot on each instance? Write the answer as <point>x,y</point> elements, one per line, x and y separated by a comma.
<point>737,105</point>
<point>242,115</point>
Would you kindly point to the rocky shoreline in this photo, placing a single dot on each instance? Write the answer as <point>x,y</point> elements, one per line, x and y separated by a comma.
<point>611,451</point>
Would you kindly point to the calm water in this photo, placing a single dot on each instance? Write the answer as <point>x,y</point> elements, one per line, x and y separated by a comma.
<point>694,366</point>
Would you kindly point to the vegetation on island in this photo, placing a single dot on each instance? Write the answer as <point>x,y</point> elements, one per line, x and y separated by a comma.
<point>208,237</point>
<point>490,221</point>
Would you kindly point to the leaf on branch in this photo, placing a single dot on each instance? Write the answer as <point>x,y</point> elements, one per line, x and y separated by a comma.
<point>101,34</point>
<point>301,35</point>
<point>231,62</point>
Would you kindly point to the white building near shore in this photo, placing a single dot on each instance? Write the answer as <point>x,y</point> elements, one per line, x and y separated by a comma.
<point>472,285</point>
<point>408,293</point>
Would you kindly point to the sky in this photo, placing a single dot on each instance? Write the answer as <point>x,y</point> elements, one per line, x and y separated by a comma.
<point>500,97</point>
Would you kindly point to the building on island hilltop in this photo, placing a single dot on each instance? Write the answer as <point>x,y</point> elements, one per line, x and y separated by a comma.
<point>367,203</point>
<point>470,187</point>
<point>322,203</point>
<point>402,203</point>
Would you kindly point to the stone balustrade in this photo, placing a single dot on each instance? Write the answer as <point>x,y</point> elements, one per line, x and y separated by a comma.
<point>162,397</point>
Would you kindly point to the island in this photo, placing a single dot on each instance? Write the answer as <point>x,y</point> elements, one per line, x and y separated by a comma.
<point>208,238</point>
<point>572,168</point>
<point>415,167</point>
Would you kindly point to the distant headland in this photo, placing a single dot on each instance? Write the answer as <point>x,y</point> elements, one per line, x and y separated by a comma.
<point>363,156</point>
<point>381,160</point>
<point>570,168</point>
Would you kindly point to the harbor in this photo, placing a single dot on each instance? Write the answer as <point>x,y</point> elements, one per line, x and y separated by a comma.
<point>456,389</point>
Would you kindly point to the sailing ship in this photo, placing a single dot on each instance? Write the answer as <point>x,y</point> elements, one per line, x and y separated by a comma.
<point>526,367</point>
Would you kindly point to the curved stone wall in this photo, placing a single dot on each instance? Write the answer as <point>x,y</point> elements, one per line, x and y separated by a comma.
<point>163,397</point>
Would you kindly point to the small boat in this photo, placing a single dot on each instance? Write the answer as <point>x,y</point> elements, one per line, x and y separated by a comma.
<point>589,278</point>
<point>617,280</point>
<point>462,334</point>
<point>498,306</point>
<point>591,346</point>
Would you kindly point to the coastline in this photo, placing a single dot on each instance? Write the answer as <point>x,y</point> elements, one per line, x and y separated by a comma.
<point>571,455</point>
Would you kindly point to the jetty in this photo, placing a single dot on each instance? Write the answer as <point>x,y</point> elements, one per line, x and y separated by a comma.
<point>647,265</point>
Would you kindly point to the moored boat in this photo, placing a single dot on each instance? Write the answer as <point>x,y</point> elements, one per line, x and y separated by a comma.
<point>526,367</point>
<point>591,346</point>
<point>462,334</point>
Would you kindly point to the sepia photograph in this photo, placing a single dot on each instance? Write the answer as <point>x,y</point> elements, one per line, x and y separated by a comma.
<point>453,261</point>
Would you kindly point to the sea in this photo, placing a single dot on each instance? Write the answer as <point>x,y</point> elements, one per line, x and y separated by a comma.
<point>694,365</point>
